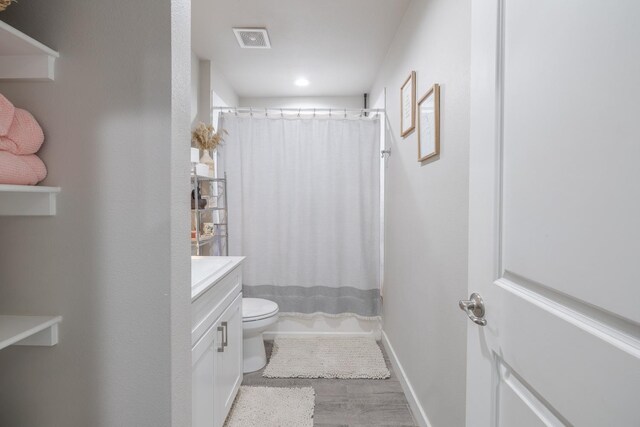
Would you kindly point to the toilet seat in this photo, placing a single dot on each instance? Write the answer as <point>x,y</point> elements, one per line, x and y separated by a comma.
<point>254,309</point>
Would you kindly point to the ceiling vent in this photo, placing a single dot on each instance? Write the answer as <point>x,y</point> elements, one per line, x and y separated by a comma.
<point>252,38</point>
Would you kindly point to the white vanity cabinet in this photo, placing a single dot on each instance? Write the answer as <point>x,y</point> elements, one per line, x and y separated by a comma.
<point>216,352</point>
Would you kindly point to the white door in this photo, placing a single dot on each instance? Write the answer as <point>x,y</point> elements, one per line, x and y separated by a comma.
<point>555,213</point>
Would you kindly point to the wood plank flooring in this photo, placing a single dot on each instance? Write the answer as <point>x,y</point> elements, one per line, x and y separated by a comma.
<point>348,403</point>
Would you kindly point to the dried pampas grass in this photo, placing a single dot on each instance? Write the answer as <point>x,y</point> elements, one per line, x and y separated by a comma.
<point>205,138</point>
<point>5,4</point>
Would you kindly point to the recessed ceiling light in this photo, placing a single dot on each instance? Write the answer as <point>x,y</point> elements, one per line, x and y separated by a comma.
<point>301,82</point>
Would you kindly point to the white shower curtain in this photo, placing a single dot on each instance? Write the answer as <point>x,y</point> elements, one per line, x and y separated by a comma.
<point>304,208</point>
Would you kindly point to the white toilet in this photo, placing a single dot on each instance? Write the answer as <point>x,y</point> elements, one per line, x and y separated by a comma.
<point>257,315</point>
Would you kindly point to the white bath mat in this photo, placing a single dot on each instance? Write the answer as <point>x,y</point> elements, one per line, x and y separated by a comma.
<point>326,357</point>
<point>272,407</point>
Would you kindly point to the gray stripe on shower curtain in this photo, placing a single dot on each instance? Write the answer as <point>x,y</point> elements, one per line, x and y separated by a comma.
<point>297,299</point>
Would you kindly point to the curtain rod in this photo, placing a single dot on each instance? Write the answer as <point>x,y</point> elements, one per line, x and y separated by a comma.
<point>298,110</point>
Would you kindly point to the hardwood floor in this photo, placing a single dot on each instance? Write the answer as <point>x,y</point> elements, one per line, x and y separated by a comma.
<point>353,403</point>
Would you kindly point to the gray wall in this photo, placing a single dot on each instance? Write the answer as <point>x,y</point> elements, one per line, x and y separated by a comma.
<point>209,88</point>
<point>114,261</point>
<point>223,91</point>
<point>195,89</point>
<point>304,102</point>
<point>426,209</point>
<point>179,205</point>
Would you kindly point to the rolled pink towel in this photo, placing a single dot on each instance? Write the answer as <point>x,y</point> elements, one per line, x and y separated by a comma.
<point>25,135</point>
<point>7,111</point>
<point>21,170</point>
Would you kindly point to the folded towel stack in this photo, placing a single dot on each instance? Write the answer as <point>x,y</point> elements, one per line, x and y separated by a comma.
<point>20,138</point>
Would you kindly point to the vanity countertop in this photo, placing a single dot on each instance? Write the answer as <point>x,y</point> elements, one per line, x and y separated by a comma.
<point>206,271</point>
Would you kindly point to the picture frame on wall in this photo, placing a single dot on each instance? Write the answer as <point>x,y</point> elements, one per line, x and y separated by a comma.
<point>408,105</point>
<point>429,124</point>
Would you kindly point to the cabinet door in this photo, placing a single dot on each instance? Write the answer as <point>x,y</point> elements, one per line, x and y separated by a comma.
<point>204,357</point>
<point>229,373</point>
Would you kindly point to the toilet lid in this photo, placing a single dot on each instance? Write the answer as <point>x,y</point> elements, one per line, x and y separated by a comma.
<point>257,308</point>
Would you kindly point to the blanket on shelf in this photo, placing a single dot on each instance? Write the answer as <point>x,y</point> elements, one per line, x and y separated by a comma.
<point>20,138</point>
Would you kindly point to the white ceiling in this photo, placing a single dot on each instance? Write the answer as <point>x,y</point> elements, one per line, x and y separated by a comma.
<point>338,45</point>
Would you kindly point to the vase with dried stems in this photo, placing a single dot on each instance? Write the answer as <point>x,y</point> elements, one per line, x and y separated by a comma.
<point>5,4</point>
<point>207,139</point>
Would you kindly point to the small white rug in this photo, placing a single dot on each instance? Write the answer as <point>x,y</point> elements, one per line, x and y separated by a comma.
<point>326,357</point>
<point>272,407</point>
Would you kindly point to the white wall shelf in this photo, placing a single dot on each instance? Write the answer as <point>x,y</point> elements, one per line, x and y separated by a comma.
<point>23,58</point>
<point>29,330</point>
<point>27,200</point>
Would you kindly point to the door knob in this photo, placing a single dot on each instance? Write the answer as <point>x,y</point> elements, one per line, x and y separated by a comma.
<point>474,307</point>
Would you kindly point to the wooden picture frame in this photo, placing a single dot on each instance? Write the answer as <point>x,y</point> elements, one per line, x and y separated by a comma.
<point>429,124</point>
<point>408,105</point>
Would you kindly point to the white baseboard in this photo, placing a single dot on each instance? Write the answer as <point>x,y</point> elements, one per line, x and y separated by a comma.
<point>270,335</point>
<point>322,326</point>
<point>417,409</point>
